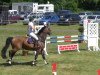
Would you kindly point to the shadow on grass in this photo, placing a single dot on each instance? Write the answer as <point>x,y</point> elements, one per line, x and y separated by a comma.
<point>22,64</point>
<point>16,63</point>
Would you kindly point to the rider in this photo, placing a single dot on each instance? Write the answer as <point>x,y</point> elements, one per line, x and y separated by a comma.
<point>31,30</point>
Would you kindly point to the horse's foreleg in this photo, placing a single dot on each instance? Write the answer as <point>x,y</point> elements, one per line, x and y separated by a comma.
<point>35,59</point>
<point>11,54</point>
<point>43,56</point>
<point>36,55</point>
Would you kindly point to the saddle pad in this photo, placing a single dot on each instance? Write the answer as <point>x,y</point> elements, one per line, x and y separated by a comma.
<point>30,40</point>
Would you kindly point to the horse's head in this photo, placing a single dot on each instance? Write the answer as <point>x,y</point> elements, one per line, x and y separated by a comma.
<point>46,30</point>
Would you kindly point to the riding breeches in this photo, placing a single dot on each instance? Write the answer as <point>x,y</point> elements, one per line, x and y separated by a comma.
<point>34,36</point>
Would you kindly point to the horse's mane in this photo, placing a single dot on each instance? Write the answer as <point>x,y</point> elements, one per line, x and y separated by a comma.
<point>41,30</point>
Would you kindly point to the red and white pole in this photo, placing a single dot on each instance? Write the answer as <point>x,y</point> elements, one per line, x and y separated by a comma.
<point>54,69</point>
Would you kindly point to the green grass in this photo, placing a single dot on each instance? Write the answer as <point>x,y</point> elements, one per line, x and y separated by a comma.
<point>68,63</point>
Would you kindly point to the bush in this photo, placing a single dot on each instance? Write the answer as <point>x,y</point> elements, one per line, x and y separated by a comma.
<point>81,29</point>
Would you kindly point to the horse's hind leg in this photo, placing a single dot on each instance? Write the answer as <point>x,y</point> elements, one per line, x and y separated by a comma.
<point>11,55</point>
<point>43,56</point>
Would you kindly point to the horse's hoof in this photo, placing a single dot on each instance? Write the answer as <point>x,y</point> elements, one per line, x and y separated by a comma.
<point>46,63</point>
<point>9,62</point>
<point>33,65</point>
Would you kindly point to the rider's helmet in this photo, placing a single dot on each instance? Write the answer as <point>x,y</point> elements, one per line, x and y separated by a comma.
<point>31,19</point>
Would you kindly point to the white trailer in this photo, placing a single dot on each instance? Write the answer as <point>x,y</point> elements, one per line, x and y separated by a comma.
<point>33,7</point>
<point>45,8</point>
<point>25,6</point>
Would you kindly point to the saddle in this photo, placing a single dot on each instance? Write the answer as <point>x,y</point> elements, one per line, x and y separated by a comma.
<point>31,40</point>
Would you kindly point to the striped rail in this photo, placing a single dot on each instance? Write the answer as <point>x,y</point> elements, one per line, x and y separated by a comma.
<point>56,39</point>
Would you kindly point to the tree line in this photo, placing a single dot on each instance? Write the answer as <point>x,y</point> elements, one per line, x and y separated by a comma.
<point>74,5</point>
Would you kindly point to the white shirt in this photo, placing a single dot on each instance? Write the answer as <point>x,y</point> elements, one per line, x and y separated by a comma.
<point>30,30</point>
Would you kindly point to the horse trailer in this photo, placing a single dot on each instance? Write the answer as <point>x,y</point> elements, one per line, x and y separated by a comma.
<point>33,7</point>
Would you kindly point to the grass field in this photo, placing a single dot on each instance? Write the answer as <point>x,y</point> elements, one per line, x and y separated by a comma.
<point>68,63</point>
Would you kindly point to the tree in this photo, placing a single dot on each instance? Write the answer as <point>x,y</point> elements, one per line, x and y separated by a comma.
<point>73,5</point>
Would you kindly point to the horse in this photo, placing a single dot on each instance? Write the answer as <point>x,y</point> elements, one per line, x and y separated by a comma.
<point>21,43</point>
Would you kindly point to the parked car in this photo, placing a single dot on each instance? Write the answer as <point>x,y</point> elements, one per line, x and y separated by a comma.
<point>7,18</point>
<point>13,12</point>
<point>90,18</point>
<point>82,14</point>
<point>69,19</point>
<point>22,14</point>
<point>36,16</point>
<point>13,18</point>
<point>63,12</point>
<point>96,13</point>
<point>97,19</point>
<point>26,20</point>
<point>49,17</point>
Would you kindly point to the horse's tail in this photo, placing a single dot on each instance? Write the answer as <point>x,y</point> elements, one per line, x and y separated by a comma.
<point>4,49</point>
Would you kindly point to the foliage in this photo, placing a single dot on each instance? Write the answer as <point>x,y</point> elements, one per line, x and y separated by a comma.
<point>81,29</point>
<point>73,5</point>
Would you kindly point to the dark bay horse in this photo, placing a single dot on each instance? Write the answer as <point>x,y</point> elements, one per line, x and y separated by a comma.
<point>20,43</point>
